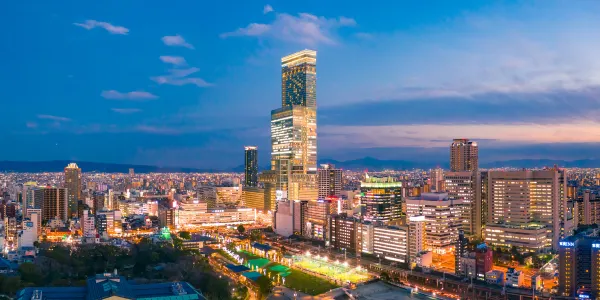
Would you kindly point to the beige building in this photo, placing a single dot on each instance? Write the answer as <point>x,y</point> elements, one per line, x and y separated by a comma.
<point>73,186</point>
<point>529,199</point>
<point>465,186</point>
<point>464,155</point>
<point>527,238</point>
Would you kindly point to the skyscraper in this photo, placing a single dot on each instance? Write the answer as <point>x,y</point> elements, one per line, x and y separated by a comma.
<point>436,178</point>
<point>464,156</point>
<point>382,198</point>
<point>73,185</point>
<point>299,79</point>
<point>330,181</point>
<point>53,203</point>
<point>294,131</point>
<point>251,166</point>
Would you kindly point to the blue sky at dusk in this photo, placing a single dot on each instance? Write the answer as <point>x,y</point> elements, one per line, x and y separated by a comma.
<point>189,83</point>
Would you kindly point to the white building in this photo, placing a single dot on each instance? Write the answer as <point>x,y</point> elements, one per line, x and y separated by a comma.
<point>113,220</point>
<point>442,219</point>
<point>88,223</point>
<point>367,237</point>
<point>194,213</point>
<point>514,278</point>
<point>416,237</point>
<point>391,243</point>
<point>28,235</point>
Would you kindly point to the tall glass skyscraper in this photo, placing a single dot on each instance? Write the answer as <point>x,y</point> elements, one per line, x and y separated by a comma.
<point>299,79</point>
<point>251,166</point>
<point>294,129</point>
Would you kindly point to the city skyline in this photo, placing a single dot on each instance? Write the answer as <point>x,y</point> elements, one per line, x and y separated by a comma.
<point>192,93</point>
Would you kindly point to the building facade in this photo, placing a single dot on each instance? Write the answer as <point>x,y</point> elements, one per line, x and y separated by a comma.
<point>250,166</point>
<point>330,181</point>
<point>464,156</point>
<point>391,243</point>
<point>73,186</point>
<point>53,202</point>
<point>382,199</point>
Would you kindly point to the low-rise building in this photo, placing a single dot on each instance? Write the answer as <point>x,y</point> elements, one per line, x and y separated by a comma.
<point>494,277</point>
<point>533,237</point>
<point>391,243</point>
<point>514,278</point>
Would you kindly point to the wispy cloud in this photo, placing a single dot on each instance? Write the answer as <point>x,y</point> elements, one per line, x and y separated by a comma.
<point>54,118</point>
<point>134,96</point>
<point>31,125</point>
<point>126,110</point>
<point>268,8</point>
<point>91,24</point>
<point>156,130</point>
<point>180,77</point>
<point>175,60</point>
<point>176,41</point>
<point>306,29</point>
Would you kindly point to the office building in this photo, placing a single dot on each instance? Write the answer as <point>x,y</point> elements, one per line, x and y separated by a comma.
<point>346,233</point>
<point>588,208</point>
<point>391,243</point>
<point>366,239</point>
<point>527,200</point>
<point>436,180</point>
<point>73,186</point>
<point>113,220</point>
<point>531,237</point>
<point>464,156</point>
<point>192,213</point>
<point>166,217</point>
<point>289,217</point>
<point>294,132</point>
<point>579,266</point>
<point>484,260</point>
<point>416,237</point>
<point>254,197</point>
<point>442,219</point>
<point>250,166</point>
<point>464,186</point>
<point>460,251</point>
<point>382,198</point>
<point>53,203</point>
<point>316,224</point>
<point>330,181</point>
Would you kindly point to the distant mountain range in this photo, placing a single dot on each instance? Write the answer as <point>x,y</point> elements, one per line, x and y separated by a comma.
<point>367,163</point>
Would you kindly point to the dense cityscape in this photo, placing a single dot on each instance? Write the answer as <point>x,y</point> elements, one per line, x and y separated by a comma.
<point>451,151</point>
<point>300,230</point>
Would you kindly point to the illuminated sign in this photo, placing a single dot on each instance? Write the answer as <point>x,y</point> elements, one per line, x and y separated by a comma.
<point>567,244</point>
<point>595,245</point>
<point>584,296</point>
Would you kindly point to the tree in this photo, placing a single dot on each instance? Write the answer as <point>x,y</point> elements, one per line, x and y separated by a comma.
<point>185,235</point>
<point>30,273</point>
<point>255,236</point>
<point>265,286</point>
<point>385,276</point>
<point>241,229</point>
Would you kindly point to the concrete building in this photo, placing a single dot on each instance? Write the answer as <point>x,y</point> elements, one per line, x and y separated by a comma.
<point>532,237</point>
<point>346,233</point>
<point>366,240</point>
<point>484,260</point>
<point>250,166</point>
<point>464,186</point>
<point>316,224</point>
<point>442,219</point>
<point>391,243</point>
<point>53,202</point>
<point>464,156</point>
<point>436,179</point>
<point>289,217</point>
<point>330,181</point>
<point>416,236</point>
<point>195,214</point>
<point>73,186</point>
<point>460,251</point>
<point>514,278</point>
<point>527,197</point>
<point>579,266</point>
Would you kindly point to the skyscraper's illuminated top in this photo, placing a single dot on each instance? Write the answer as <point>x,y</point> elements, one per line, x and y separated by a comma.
<point>299,79</point>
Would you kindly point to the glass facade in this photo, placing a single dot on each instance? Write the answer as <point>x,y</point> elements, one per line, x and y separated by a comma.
<point>382,198</point>
<point>299,79</point>
<point>251,166</point>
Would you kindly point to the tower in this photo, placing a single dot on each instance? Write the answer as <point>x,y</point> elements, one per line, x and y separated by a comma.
<point>330,181</point>
<point>250,166</point>
<point>73,185</point>
<point>464,156</point>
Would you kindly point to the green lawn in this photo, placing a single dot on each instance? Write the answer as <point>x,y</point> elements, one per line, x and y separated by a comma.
<point>300,281</point>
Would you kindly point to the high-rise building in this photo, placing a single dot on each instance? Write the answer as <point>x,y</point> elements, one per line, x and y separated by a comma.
<point>391,243</point>
<point>131,172</point>
<point>416,236</point>
<point>299,79</point>
<point>289,217</point>
<point>442,219</point>
<point>73,185</point>
<point>346,233</point>
<point>464,155</point>
<point>436,178</point>
<point>579,267</point>
<point>316,224</point>
<point>294,131</point>
<point>330,181</point>
<point>528,200</point>
<point>465,186</point>
<point>382,198</point>
<point>460,251</point>
<point>53,202</point>
<point>251,166</point>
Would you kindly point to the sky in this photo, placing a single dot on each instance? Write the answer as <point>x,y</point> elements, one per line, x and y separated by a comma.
<point>189,83</point>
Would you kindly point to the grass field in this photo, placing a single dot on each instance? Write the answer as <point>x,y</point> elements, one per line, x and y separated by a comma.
<point>300,281</point>
<point>331,269</point>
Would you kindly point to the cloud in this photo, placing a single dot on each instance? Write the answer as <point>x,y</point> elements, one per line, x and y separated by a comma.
<point>156,130</point>
<point>180,77</point>
<point>176,41</point>
<point>91,24</point>
<point>305,29</point>
<point>134,96</point>
<point>126,110</point>
<point>54,118</point>
<point>31,125</point>
<point>268,8</point>
<point>175,60</point>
